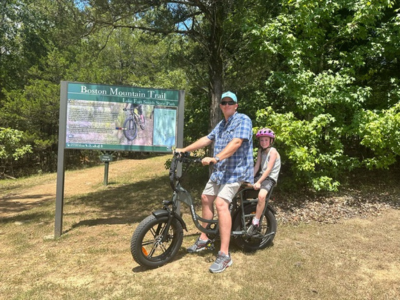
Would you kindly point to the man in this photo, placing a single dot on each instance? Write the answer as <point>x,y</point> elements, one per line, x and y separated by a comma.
<point>233,164</point>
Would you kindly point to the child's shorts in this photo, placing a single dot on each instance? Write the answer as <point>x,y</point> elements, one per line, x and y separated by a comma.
<point>268,184</point>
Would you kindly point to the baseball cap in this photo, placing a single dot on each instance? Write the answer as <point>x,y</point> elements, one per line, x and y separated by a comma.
<point>229,95</point>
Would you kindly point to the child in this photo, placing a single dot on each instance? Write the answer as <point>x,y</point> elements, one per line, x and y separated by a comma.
<point>268,165</point>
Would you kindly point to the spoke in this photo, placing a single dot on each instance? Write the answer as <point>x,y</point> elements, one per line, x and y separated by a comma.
<point>163,247</point>
<point>153,232</point>
<point>147,243</point>
<point>156,232</point>
<point>153,249</point>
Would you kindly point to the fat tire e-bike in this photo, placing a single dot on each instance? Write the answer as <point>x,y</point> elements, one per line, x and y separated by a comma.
<point>158,237</point>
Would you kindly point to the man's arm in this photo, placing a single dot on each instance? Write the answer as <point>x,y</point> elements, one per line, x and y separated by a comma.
<point>228,151</point>
<point>200,143</point>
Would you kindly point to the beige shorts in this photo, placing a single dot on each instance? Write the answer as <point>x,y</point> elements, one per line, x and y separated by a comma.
<point>224,191</point>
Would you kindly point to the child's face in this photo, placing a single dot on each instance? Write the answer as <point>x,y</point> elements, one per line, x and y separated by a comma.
<point>265,141</point>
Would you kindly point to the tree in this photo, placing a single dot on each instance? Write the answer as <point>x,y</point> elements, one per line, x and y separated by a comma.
<point>33,61</point>
<point>211,26</point>
<point>12,147</point>
<point>32,106</point>
<point>335,78</point>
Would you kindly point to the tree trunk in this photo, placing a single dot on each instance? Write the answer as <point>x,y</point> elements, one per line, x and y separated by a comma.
<point>215,62</point>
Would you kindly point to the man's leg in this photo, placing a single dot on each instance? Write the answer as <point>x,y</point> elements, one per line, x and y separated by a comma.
<point>224,259</point>
<point>225,223</point>
<point>207,205</point>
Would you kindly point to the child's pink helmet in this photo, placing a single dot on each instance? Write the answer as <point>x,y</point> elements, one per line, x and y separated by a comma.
<point>265,132</point>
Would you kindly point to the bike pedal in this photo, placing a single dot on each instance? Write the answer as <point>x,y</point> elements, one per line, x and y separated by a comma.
<point>210,246</point>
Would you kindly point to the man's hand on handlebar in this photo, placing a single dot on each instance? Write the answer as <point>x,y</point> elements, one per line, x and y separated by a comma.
<point>208,160</point>
<point>179,152</point>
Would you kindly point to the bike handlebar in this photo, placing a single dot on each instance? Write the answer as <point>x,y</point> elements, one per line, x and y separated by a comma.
<point>179,157</point>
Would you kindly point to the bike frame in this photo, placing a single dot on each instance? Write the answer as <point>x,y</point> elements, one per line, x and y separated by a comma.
<point>180,194</point>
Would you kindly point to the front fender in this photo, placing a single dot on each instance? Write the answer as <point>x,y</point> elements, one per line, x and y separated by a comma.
<point>164,213</point>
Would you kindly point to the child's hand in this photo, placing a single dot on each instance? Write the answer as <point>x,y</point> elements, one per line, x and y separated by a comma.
<point>256,186</point>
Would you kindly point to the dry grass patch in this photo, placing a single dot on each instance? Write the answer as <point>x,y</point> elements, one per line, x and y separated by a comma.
<point>352,259</point>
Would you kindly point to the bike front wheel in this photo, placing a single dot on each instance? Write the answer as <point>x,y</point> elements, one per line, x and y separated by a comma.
<point>149,248</point>
<point>130,131</point>
<point>268,227</point>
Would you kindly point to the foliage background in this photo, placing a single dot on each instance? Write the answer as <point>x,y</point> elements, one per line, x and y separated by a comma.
<point>322,74</point>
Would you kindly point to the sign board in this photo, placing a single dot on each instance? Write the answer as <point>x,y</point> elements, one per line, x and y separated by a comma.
<point>106,157</point>
<point>103,117</point>
<point>115,118</point>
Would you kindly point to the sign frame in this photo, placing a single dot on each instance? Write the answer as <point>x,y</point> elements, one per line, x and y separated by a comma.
<point>99,93</point>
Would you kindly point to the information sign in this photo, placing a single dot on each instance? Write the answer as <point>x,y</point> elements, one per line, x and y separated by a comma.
<point>102,117</point>
<point>115,118</point>
<point>106,157</point>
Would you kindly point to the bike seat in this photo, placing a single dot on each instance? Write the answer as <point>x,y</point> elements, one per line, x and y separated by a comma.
<point>246,185</point>
<point>248,191</point>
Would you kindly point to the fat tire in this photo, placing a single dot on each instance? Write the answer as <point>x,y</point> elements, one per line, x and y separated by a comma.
<point>268,226</point>
<point>146,237</point>
<point>130,130</point>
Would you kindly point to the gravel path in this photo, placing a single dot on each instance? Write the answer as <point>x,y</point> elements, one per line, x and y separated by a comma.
<point>333,209</point>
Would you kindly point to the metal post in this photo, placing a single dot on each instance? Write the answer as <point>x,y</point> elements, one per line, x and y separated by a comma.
<point>181,116</point>
<point>106,173</point>
<point>60,161</point>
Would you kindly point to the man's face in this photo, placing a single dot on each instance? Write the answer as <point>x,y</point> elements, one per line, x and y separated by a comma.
<point>228,106</point>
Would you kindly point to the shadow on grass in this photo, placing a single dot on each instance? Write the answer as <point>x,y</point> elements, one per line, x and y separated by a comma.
<point>123,204</point>
<point>43,216</point>
<point>114,204</point>
<point>10,205</point>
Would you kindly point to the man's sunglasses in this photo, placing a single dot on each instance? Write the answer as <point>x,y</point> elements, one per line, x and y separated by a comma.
<point>228,103</point>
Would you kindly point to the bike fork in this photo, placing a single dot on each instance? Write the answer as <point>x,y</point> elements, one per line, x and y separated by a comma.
<point>166,228</point>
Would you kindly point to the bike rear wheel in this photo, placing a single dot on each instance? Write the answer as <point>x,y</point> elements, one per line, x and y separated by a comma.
<point>147,247</point>
<point>130,131</point>
<point>268,228</point>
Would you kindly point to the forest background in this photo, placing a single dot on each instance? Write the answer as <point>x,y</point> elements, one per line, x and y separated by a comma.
<point>324,75</point>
